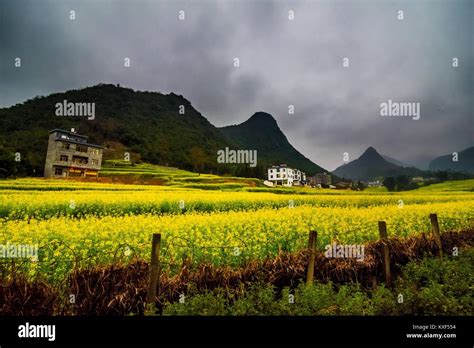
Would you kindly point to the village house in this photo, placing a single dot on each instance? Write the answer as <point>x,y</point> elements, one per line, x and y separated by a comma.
<point>376,183</point>
<point>343,185</point>
<point>320,179</point>
<point>286,176</point>
<point>70,155</point>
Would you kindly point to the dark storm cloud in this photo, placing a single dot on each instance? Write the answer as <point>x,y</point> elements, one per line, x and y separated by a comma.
<point>282,62</point>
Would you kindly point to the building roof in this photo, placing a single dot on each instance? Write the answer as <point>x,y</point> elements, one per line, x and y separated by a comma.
<point>78,142</point>
<point>68,132</point>
<point>85,143</point>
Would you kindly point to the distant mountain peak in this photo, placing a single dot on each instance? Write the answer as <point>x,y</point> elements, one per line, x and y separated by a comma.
<point>261,118</point>
<point>371,165</point>
<point>262,114</point>
<point>261,132</point>
<point>371,155</point>
<point>370,151</point>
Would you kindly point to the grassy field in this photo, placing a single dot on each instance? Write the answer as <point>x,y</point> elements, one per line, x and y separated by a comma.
<point>450,186</point>
<point>140,173</point>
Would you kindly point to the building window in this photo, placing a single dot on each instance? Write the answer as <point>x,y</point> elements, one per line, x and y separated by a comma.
<point>80,160</point>
<point>63,158</point>
<point>95,151</point>
<point>58,171</point>
<point>81,148</point>
<point>95,162</point>
<point>65,146</point>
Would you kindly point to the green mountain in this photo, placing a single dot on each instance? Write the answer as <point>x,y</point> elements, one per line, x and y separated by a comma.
<point>148,125</point>
<point>261,132</point>
<point>465,162</point>
<point>371,165</point>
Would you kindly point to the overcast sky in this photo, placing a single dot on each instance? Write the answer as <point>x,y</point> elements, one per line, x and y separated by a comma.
<point>282,62</point>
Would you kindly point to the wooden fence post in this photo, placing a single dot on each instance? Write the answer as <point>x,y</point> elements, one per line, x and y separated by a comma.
<point>385,253</point>
<point>313,236</point>
<point>154,268</point>
<point>435,231</point>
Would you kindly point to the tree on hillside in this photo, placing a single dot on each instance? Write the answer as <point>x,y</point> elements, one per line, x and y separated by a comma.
<point>8,166</point>
<point>390,183</point>
<point>441,175</point>
<point>360,186</point>
<point>402,182</point>
<point>198,158</point>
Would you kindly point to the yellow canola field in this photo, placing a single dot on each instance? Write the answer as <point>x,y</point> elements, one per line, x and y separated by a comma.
<point>220,237</point>
<point>16,204</point>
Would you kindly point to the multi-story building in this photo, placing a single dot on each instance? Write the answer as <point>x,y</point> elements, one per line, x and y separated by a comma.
<point>299,177</point>
<point>323,179</point>
<point>70,155</point>
<point>283,175</point>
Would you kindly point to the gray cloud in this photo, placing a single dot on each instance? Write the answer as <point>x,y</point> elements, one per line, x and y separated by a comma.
<point>282,62</point>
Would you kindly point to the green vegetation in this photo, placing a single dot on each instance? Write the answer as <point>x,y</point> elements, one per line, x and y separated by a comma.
<point>170,176</point>
<point>400,183</point>
<point>449,186</point>
<point>429,287</point>
<point>148,125</point>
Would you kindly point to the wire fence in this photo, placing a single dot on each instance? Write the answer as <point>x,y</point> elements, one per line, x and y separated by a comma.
<point>174,254</point>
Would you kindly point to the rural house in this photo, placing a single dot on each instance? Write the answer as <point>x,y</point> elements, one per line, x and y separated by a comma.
<point>283,175</point>
<point>323,179</point>
<point>376,183</point>
<point>70,155</point>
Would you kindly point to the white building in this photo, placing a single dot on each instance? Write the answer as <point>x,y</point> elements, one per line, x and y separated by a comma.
<point>376,183</point>
<point>286,176</point>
